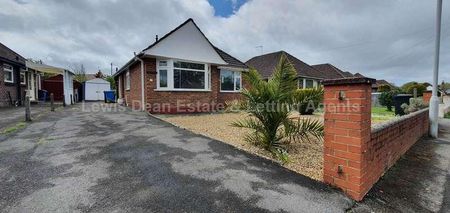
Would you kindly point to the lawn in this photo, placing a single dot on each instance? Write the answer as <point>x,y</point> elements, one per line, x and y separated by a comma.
<point>381,114</point>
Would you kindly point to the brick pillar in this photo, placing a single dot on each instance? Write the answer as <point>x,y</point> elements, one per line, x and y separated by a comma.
<point>347,133</point>
<point>427,96</point>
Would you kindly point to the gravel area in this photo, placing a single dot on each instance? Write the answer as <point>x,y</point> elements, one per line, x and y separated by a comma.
<point>306,158</point>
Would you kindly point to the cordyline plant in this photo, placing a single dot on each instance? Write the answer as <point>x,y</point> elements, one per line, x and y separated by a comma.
<point>270,103</point>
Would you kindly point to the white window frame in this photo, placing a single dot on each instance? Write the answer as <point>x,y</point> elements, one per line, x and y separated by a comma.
<point>127,80</point>
<point>22,73</point>
<point>315,83</point>
<point>9,68</point>
<point>234,81</point>
<point>170,75</point>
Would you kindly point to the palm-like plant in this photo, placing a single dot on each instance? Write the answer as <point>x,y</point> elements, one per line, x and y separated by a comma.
<point>270,102</point>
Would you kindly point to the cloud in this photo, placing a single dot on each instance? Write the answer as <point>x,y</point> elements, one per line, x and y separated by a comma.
<point>386,39</point>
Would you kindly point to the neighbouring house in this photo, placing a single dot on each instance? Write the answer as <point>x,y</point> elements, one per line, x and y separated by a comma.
<point>13,77</point>
<point>61,83</point>
<point>34,83</point>
<point>377,84</point>
<point>308,76</point>
<point>181,72</point>
<point>94,89</point>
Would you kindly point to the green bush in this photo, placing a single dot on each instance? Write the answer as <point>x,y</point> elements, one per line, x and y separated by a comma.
<point>415,104</point>
<point>269,103</point>
<point>387,99</point>
<point>306,101</point>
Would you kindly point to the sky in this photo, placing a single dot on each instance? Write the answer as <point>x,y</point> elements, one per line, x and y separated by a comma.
<point>383,39</point>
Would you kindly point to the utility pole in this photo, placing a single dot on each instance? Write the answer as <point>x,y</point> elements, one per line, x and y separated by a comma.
<point>434,101</point>
<point>111,67</point>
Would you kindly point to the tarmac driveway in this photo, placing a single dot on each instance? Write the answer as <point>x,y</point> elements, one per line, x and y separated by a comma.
<point>72,160</point>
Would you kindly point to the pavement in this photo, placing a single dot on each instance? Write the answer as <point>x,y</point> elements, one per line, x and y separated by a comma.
<point>418,182</point>
<point>103,158</point>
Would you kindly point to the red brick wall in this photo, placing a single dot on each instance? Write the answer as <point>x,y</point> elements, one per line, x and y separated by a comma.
<point>9,87</point>
<point>355,156</point>
<point>427,96</point>
<point>133,95</point>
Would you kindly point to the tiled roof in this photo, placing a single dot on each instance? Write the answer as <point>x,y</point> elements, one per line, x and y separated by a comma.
<point>11,56</point>
<point>329,71</point>
<point>265,64</point>
<point>232,61</point>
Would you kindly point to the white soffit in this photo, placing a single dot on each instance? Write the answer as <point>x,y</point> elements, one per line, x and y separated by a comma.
<point>186,43</point>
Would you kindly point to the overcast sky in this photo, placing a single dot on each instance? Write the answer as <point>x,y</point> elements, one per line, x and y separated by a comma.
<point>384,39</point>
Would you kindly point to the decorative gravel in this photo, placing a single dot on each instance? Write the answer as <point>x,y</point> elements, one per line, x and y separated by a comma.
<point>305,158</point>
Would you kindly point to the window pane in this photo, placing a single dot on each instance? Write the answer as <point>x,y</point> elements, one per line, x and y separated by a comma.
<point>238,82</point>
<point>22,78</point>
<point>300,83</point>
<point>8,76</point>
<point>163,78</point>
<point>226,80</point>
<point>187,65</point>
<point>309,83</point>
<point>184,79</point>
<point>163,63</point>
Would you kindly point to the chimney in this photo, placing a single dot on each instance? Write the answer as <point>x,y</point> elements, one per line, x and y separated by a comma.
<point>156,37</point>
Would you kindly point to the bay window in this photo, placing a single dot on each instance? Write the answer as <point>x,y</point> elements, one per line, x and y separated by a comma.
<point>230,81</point>
<point>9,74</point>
<point>181,75</point>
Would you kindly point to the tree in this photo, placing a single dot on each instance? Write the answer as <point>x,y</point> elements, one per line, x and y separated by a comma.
<point>99,74</point>
<point>384,88</point>
<point>111,81</point>
<point>387,99</point>
<point>79,71</point>
<point>410,86</point>
<point>269,104</point>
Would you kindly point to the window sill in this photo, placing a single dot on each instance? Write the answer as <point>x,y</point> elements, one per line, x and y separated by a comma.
<point>225,91</point>
<point>182,90</point>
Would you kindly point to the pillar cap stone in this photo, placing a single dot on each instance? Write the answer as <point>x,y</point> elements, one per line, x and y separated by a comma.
<point>355,80</point>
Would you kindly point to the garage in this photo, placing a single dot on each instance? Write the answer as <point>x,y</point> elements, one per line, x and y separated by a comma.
<point>93,89</point>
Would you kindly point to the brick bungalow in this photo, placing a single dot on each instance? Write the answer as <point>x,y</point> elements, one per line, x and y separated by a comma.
<point>13,81</point>
<point>308,76</point>
<point>182,72</point>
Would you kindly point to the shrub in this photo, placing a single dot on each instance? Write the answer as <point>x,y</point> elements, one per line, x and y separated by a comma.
<point>415,104</point>
<point>269,103</point>
<point>387,99</point>
<point>306,101</point>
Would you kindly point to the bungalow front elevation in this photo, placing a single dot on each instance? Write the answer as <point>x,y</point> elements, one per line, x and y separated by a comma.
<point>181,72</point>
